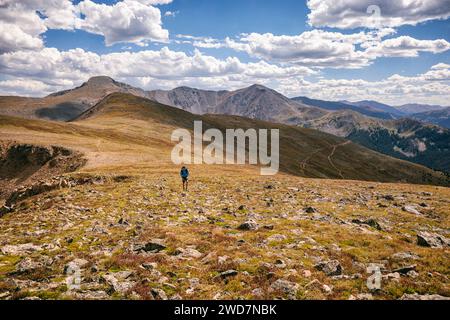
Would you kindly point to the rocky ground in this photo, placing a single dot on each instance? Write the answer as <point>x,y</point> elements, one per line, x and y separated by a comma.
<point>229,237</point>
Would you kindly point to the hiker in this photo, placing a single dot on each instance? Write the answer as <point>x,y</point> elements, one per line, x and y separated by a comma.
<point>185,177</point>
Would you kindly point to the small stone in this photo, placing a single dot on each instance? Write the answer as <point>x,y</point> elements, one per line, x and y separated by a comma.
<point>188,253</point>
<point>276,238</point>
<point>405,270</point>
<point>404,256</point>
<point>411,209</point>
<point>307,273</point>
<point>228,274</point>
<point>330,268</point>
<point>412,274</point>
<point>258,293</point>
<point>149,266</point>
<point>310,210</point>
<point>75,265</point>
<point>250,225</point>
<point>153,247</point>
<point>431,240</point>
<point>222,260</point>
<point>158,294</point>
<point>287,287</point>
<point>20,249</point>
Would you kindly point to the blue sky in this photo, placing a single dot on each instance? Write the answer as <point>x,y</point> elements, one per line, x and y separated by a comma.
<point>317,48</point>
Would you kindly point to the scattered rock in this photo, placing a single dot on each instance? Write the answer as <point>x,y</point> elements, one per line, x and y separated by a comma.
<point>158,294</point>
<point>27,265</point>
<point>228,274</point>
<point>316,284</point>
<point>310,210</point>
<point>412,274</point>
<point>188,253</point>
<point>330,268</point>
<point>307,273</point>
<point>431,240</point>
<point>149,266</point>
<point>75,265</point>
<point>405,270</point>
<point>21,249</point>
<point>250,225</point>
<point>276,238</point>
<point>119,281</point>
<point>370,222</point>
<point>405,256</point>
<point>287,287</point>
<point>411,209</point>
<point>154,247</point>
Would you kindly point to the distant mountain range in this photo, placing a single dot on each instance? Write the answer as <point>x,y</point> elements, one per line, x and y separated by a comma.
<point>440,117</point>
<point>386,129</point>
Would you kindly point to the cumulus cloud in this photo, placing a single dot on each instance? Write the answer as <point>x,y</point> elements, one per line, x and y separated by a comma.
<point>127,21</point>
<point>22,23</point>
<point>149,67</point>
<point>431,87</point>
<point>375,13</point>
<point>406,46</point>
<point>315,48</point>
<point>318,48</point>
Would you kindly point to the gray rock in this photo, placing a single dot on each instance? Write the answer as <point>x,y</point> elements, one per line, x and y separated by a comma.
<point>27,265</point>
<point>20,249</point>
<point>75,264</point>
<point>153,247</point>
<point>405,270</point>
<point>330,268</point>
<point>118,283</point>
<point>158,294</point>
<point>287,287</point>
<point>431,240</point>
<point>188,253</point>
<point>405,256</point>
<point>228,274</point>
<point>250,225</point>
<point>411,209</point>
<point>370,222</point>
<point>310,210</point>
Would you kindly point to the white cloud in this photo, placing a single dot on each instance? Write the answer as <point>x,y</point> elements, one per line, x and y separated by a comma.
<point>164,66</point>
<point>354,13</point>
<point>315,48</point>
<point>431,87</point>
<point>406,46</point>
<point>319,49</point>
<point>127,21</point>
<point>133,21</point>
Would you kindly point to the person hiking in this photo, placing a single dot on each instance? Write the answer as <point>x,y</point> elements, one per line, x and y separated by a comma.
<point>185,177</point>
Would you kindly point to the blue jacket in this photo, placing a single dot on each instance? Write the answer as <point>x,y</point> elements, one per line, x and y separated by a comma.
<point>184,173</point>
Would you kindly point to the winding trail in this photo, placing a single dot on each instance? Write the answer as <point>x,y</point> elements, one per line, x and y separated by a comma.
<point>304,163</point>
<point>332,154</point>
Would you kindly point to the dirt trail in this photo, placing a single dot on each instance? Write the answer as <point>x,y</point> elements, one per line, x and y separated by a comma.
<point>334,147</point>
<point>332,154</point>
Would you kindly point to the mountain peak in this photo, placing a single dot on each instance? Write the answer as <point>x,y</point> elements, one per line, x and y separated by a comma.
<point>100,80</point>
<point>258,87</point>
